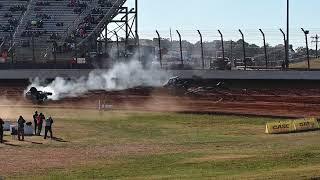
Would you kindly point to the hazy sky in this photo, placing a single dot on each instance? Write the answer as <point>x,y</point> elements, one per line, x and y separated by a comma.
<point>229,16</point>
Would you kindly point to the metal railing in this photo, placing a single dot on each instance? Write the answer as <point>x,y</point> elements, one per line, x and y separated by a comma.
<point>19,29</point>
<point>113,11</point>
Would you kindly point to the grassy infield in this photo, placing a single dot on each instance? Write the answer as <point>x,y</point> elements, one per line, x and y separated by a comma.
<point>205,146</point>
<point>314,64</point>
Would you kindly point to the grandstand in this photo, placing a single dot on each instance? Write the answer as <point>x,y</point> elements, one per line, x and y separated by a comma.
<point>52,31</point>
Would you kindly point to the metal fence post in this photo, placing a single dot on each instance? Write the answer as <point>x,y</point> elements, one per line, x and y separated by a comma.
<point>307,46</point>
<point>159,44</point>
<point>285,46</point>
<point>202,52</point>
<point>244,50</point>
<point>181,55</point>
<point>231,54</point>
<point>222,44</point>
<point>265,47</point>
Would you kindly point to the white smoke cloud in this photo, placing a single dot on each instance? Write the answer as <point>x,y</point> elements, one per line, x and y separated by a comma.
<point>121,76</point>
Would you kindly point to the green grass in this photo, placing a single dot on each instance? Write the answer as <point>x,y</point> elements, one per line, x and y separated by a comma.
<point>178,146</point>
<point>314,64</point>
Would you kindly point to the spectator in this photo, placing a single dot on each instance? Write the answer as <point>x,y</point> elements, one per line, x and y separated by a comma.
<point>48,127</point>
<point>1,130</point>
<point>40,120</point>
<point>21,122</point>
<point>35,117</point>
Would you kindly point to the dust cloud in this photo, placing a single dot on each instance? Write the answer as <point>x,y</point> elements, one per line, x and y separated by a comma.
<point>122,76</point>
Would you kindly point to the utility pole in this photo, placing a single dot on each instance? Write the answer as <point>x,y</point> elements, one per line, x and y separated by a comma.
<point>316,41</point>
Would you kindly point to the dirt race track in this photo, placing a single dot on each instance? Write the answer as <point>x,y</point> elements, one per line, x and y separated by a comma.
<point>275,101</point>
<point>107,145</point>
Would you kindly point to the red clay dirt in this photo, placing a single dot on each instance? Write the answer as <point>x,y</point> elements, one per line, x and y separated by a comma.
<point>281,102</point>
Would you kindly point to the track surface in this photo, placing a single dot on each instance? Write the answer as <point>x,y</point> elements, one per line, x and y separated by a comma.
<point>275,101</point>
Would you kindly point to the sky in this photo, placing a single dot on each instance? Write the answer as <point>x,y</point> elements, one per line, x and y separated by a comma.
<point>229,16</point>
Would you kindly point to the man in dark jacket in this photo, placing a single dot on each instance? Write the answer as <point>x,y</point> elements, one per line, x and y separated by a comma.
<point>48,127</point>
<point>1,130</point>
<point>21,122</point>
<point>40,120</point>
<point>35,116</point>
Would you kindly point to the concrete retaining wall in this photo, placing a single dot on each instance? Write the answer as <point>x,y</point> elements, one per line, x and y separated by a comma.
<point>204,74</point>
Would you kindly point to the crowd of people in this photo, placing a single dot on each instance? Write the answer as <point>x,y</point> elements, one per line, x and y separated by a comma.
<point>38,119</point>
<point>17,8</point>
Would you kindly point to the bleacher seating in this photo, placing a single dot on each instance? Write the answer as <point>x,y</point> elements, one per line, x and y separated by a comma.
<point>48,30</point>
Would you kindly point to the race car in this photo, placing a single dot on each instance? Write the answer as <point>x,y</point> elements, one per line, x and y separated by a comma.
<point>37,96</point>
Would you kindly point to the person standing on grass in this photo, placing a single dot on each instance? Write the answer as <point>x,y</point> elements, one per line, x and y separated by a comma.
<point>48,127</point>
<point>1,130</point>
<point>35,117</point>
<point>21,122</point>
<point>40,120</point>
